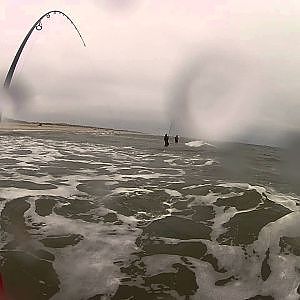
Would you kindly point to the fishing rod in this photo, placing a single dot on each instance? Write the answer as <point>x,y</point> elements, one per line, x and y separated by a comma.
<point>38,26</point>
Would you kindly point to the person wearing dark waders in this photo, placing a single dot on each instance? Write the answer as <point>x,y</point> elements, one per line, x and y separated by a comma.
<point>176,139</point>
<point>166,139</point>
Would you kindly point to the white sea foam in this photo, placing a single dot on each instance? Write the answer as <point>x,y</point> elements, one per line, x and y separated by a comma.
<point>91,260</point>
<point>198,144</point>
<point>173,193</point>
<point>127,191</point>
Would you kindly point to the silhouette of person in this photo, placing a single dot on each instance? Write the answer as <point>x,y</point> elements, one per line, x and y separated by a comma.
<point>176,139</point>
<point>166,139</point>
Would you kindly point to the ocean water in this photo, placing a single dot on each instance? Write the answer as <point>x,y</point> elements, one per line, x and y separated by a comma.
<point>86,216</point>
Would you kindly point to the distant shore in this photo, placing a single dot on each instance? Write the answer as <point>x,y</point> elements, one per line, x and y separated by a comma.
<point>18,125</point>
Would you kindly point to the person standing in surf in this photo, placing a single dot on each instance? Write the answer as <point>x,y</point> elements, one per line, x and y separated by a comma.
<point>176,139</point>
<point>166,139</point>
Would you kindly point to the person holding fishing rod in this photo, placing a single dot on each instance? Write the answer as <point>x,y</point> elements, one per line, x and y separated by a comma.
<point>166,140</point>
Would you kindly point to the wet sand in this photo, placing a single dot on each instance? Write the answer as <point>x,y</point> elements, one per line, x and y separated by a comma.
<point>16,125</point>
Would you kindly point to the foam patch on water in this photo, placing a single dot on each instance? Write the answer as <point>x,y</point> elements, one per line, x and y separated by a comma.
<point>198,144</point>
<point>173,193</point>
<point>127,191</point>
<point>91,261</point>
<point>242,185</point>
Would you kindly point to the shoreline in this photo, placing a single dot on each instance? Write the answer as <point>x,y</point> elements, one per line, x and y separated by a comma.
<point>20,125</point>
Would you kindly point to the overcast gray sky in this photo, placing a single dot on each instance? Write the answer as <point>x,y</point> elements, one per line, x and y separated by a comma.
<point>218,69</point>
